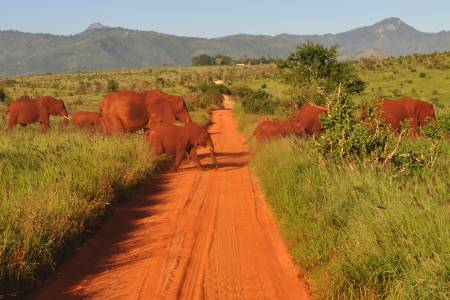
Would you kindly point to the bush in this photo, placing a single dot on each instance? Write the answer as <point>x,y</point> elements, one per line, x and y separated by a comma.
<point>112,86</point>
<point>241,91</point>
<point>259,102</point>
<point>345,138</point>
<point>2,95</point>
<point>314,65</point>
<point>423,75</point>
<point>208,96</point>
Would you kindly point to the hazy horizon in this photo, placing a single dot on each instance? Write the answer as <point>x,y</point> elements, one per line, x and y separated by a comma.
<point>216,19</point>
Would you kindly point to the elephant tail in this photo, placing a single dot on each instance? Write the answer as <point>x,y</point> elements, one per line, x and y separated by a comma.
<point>249,139</point>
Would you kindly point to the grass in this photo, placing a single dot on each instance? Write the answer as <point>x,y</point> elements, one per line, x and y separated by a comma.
<point>53,188</point>
<point>359,233</point>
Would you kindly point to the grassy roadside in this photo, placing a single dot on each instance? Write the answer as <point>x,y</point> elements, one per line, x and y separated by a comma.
<point>53,188</point>
<point>358,232</point>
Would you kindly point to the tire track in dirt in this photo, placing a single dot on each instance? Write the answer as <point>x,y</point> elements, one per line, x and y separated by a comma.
<point>189,235</point>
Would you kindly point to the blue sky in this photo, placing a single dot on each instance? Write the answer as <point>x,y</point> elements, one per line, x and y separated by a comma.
<point>214,18</point>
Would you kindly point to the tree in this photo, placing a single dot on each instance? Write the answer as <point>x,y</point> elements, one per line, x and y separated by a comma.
<point>2,95</point>
<point>203,60</point>
<point>316,66</point>
<point>113,86</point>
<point>222,60</point>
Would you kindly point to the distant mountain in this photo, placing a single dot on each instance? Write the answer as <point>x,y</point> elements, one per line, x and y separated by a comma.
<point>97,25</point>
<point>100,47</point>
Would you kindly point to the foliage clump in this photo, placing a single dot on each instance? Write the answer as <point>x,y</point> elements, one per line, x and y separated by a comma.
<point>112,86</point>
<point>2,95</point>
<point>208,96</point>
<point>346,138</point>
<point>260,102</point>
<point>315,72</point>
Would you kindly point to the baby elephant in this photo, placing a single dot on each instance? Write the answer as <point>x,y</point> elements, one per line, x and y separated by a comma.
<point>85,119</point>
<point>175,141</point>
<point>267,130</point>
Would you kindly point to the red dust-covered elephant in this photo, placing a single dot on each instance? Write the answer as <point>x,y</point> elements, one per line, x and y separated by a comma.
<point>308,117</point>
<point>394,112</point>
<point>272,129</point>
<point>28,111</point>
<point>85,119</point>
<point>176,141</point>
<point>128,111</point>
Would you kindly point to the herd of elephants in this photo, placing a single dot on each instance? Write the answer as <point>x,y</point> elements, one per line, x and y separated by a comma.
<point>156,112</point>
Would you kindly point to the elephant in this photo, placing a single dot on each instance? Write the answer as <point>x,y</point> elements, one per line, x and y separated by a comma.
<point>270,129</point>
<point>394,112</point>
<point>128,111</point>
<point>27,111</point>
<point>308,117</point>
<point>85,119</point>
<point>176,141</point>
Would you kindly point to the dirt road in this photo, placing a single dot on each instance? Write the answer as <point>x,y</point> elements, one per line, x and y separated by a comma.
<point>189,235</point>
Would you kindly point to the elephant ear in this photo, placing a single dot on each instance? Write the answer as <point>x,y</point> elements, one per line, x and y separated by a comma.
<point>426,114</point>
<point>164,113</point>
<point>177,104</point>
<point>49,104</point>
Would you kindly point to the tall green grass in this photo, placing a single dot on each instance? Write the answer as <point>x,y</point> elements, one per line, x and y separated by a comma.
<point>361,232</point>
<point>54,187</point>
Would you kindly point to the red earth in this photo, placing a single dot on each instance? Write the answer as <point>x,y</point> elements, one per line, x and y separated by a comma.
<point>187,235</point>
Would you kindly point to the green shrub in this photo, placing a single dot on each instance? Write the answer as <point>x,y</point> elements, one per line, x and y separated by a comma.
<point>346,138</point>
<point>259,102</point>
<point>2,95</point>
<point>112,86</point>
<point>241,91</point>
<point>314,65</point>
<point>208,96</point>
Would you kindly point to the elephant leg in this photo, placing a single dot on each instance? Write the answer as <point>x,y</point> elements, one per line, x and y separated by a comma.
<point>156,145</point>
<point>414,127</point>
<point>213,154</point>
<point>194,157</point>
<point>114,125</point>
<point>44,120</point>
<point>178,159</point>
<point>12,121</point>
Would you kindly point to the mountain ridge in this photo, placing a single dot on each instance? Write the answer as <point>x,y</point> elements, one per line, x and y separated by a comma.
<point>101,47</point>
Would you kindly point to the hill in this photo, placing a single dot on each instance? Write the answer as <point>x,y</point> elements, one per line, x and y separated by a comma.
<point>100,47</point>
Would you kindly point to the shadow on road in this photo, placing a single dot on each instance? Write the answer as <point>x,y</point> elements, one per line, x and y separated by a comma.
<point>97,254</point>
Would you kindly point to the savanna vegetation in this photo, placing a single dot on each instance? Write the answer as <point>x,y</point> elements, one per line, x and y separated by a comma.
<point>55,187</point>
<point>224,60</point>
<point>365,213</point>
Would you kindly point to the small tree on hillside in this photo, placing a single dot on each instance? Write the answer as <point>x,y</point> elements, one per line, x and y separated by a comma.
<point>2,95</point>
<point>315,70</point>
<point>203,60</point>
<point>113,86</point>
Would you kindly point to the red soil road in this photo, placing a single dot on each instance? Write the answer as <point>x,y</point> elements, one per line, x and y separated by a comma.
<point>187,235</point>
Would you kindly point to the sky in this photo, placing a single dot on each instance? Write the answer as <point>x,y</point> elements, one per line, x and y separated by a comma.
<point>211,18</point>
